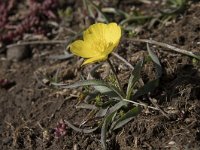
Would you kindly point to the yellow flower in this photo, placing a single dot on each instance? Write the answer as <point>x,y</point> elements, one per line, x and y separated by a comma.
<point>99,40</point>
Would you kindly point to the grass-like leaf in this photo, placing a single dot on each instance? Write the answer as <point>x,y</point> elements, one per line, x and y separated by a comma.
<point>104,129</point>
<point>79,129</point>
<point>148,87</point>
<point>102,112</point>
<point>117,106</point>
<point>91,96</point>
<point>101,86</point>
<point>126,118</point>
<point>156,61</point>
<point>106,91</point>
<point>109,102</point>
<point>174,7</point>
<point>135,76</point>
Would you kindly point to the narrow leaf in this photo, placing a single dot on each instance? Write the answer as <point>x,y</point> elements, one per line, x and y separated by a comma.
<point>135,76</point>
<point>58,84</point>
<point>79,129</point>
<point>156,61</point>
<point>102,112</point>
<point>117,106</point>
<point>109,102</point>
<point>126,118</point>
<point>91,96</point>
<point>106,91</point>
<point>96,83</point>
<point>104,129</point>
<point>148,87</point>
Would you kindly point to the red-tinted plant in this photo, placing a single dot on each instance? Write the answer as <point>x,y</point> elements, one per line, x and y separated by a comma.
<point>33,22</point>
<point>60,130</point>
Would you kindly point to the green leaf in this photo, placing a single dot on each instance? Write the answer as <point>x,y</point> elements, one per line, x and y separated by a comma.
<point>101,86</point>
<point>106,91</point>
<point>135,76</point>
<point>58,84</point>
<point>148,87</point>
<point>110,102</point>
<point>156,61</point>
<point>117,106</point>
<point>91,96</point>
<point>102,112</point>
<point>126,118</point>
<point>79,129</point>
<point>104,129</point>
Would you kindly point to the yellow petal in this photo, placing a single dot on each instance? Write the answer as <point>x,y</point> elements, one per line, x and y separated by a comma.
<point>112,37</point>
<point>113,33</point>
<point>95,31</point>
<point>95,59</point>
<point>105,37</point>
<point>83,49</point>
<point>99,40</point>
<point>109,49</point>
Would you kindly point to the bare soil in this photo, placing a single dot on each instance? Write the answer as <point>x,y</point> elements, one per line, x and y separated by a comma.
<point>30,108</point>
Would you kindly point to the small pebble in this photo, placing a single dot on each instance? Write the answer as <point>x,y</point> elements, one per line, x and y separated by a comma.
<point>172,143</point>
<point>18,53</point>
<point>45,81</point>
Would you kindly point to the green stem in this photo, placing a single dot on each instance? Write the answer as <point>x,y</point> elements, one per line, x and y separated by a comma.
<point>128,64</point>
<point>115,74</point>
<point>140,104</point>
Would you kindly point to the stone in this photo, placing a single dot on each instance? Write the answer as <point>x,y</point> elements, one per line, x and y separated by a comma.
<point>18,53</point>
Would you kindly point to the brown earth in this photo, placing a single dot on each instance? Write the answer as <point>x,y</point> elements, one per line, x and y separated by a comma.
<point>30,108</point>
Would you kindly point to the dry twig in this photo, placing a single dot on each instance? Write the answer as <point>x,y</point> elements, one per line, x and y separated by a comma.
<point>173,48</point>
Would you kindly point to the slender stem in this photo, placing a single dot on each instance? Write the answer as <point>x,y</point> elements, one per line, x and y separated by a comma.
<point>128,64</point>
<point>115,74</point>
<point>141,104</point>
<point>122,59</point>
<point>173,48</point>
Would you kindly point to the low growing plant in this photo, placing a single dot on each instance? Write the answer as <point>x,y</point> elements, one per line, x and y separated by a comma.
<point>111,105</point>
